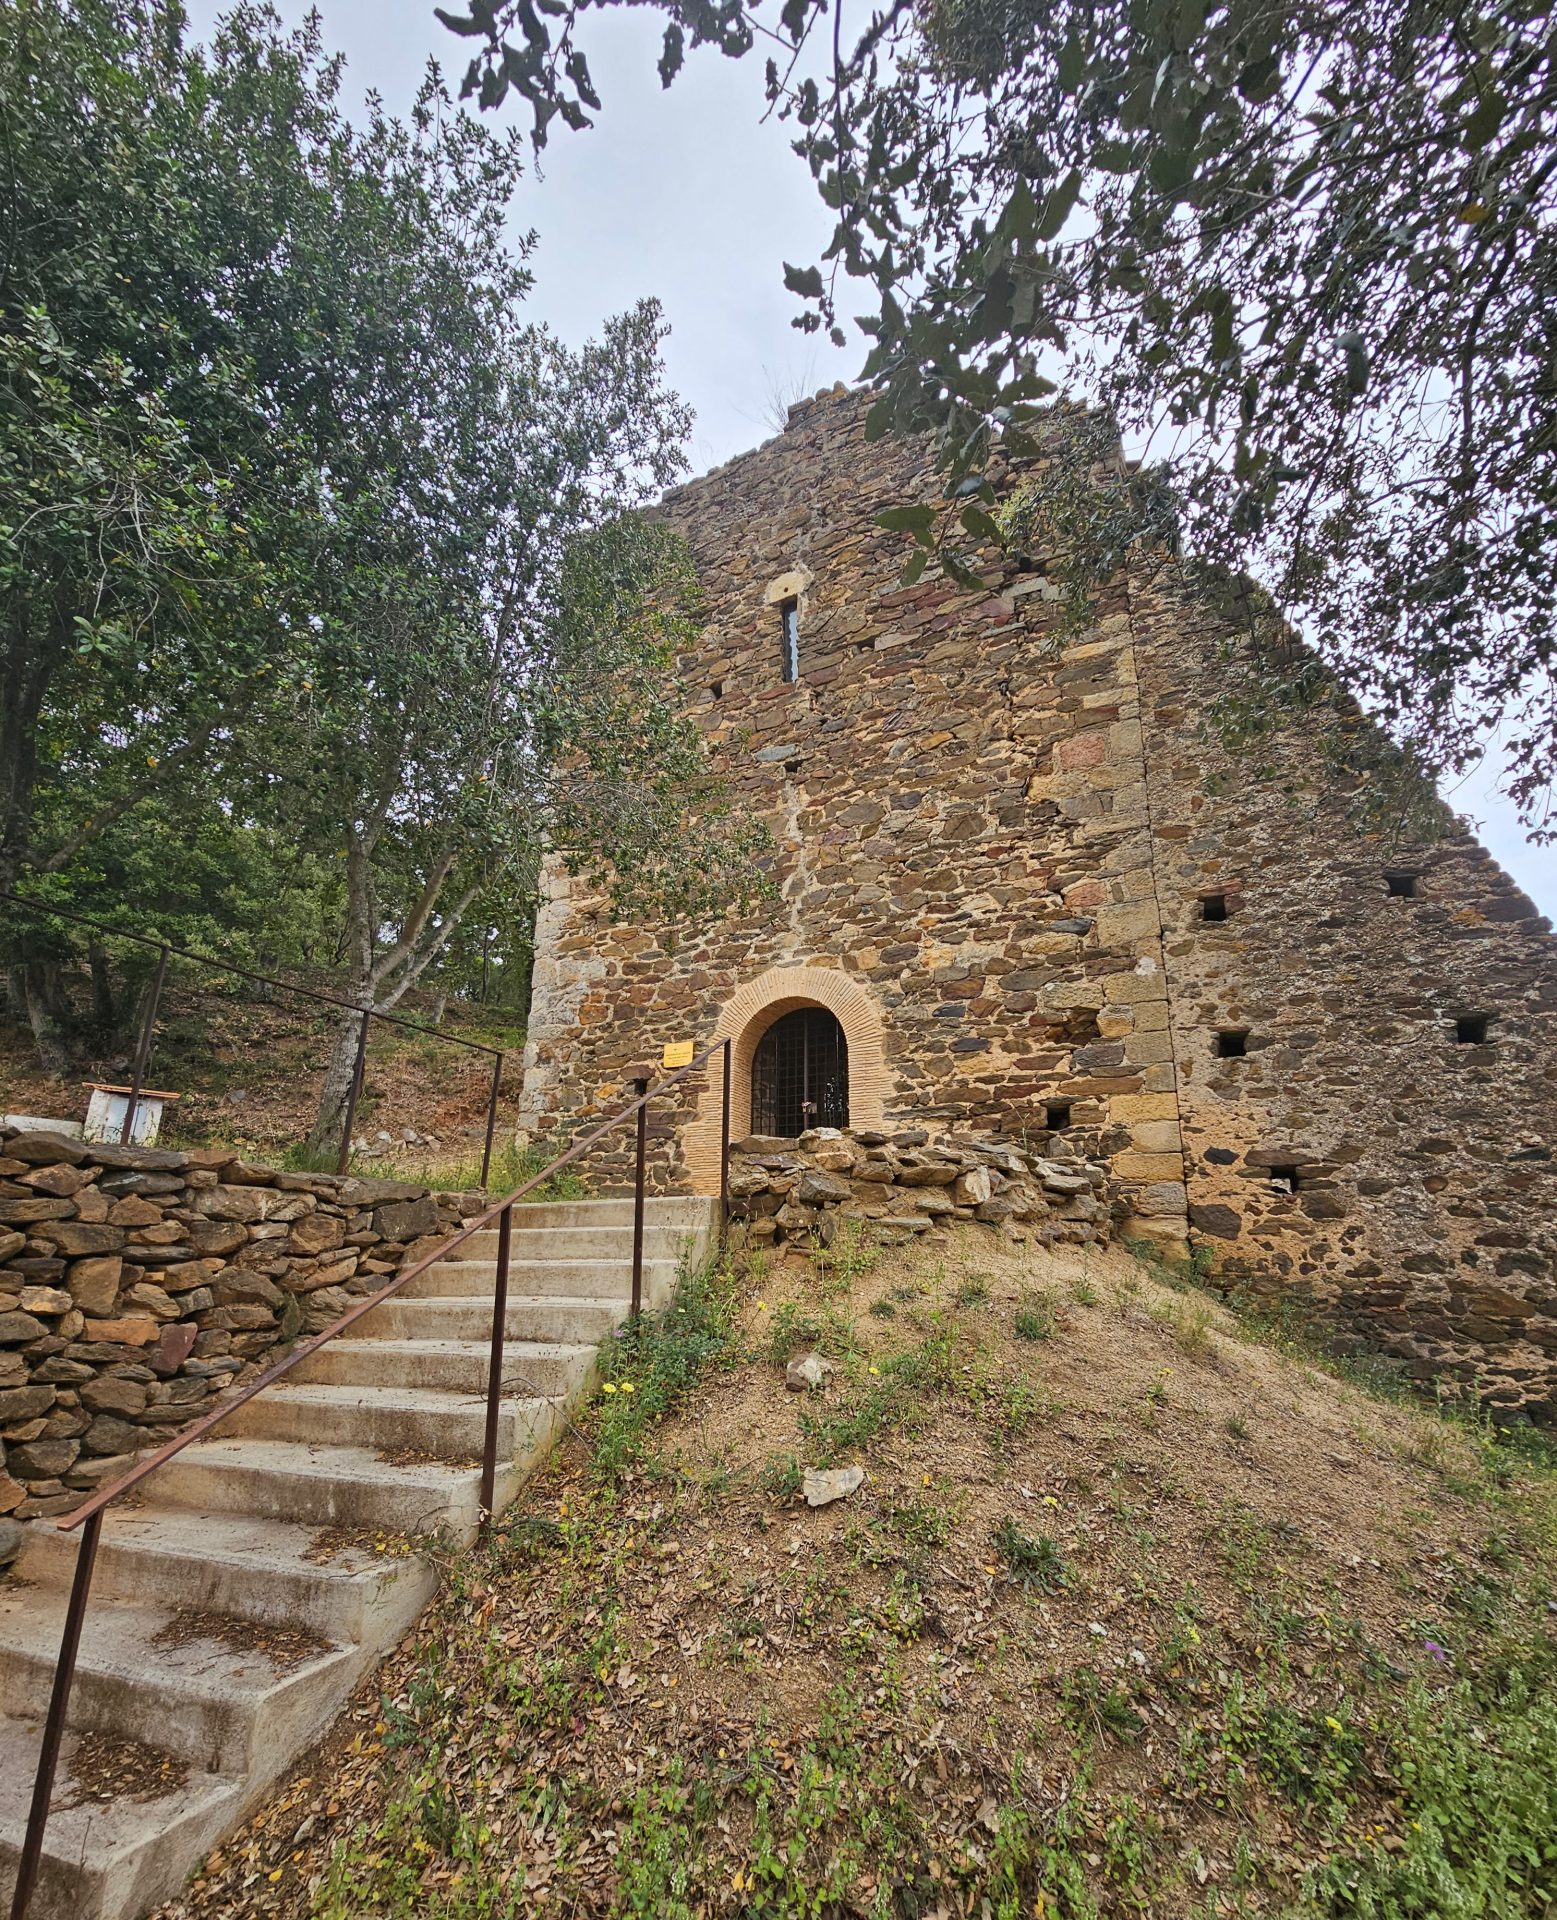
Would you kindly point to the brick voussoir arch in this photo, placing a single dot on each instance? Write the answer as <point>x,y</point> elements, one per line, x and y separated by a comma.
<point>746,1017</point>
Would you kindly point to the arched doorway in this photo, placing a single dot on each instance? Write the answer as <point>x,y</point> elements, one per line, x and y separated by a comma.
<point>751,1011</point>
<point>800,1074</point>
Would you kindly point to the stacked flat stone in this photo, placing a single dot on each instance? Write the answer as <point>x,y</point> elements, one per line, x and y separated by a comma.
<point>136,1282</point>
<point>907,1183</point>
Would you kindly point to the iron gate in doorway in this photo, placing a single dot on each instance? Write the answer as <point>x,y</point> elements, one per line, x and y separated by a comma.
<point>800,1075</point>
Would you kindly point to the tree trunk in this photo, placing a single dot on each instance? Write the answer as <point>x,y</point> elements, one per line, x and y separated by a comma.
<point>35,989</point>
<point>378,979</point>
<point>104,1012</point>
<point>324,1143</point>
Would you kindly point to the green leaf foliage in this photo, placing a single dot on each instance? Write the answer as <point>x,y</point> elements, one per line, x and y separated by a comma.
<point>1303,253</point>
<point>328,610</point>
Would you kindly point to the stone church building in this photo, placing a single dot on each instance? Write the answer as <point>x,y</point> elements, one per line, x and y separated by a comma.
<point>1024,887</point>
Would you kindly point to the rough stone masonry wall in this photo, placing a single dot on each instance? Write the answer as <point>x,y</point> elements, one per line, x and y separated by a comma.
<point>1425,1213</point>
<point>962,836</point>
<point>1004,844</point>
<point>136,1283</point>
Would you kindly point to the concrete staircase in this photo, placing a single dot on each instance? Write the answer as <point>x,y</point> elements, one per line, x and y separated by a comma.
<point>238,1602</point>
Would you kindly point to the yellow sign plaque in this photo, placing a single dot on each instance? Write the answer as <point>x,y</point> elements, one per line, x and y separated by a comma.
<point>678,1053</point>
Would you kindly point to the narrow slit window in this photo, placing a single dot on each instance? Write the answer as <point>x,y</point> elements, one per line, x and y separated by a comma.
<point>716,691</point>
<point>1056,1115</point>
<point>1213,906</point>
<point>1232,1043</point>
<point>789,639</point>
<point>1473,1029</point>
<point>1403,886</point>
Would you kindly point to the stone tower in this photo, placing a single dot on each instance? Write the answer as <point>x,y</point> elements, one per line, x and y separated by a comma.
<point>1024,887</point>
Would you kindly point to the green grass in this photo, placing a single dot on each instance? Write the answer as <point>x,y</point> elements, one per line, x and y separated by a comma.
<point>793,1331</point>
<point>853,1253</point>
<point>649,1366</point>
<point>1031,1562</point>
<point>1036,1318</point>
<point>511,1166</point>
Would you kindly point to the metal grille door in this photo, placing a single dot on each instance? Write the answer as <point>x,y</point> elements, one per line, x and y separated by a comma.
<point>800,1075</point>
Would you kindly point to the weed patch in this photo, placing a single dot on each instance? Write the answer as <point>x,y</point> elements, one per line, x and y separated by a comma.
<point>1031,1562</point>
<point>651,1364</point>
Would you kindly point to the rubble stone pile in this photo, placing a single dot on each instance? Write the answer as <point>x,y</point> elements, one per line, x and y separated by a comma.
<point>908,1182</point>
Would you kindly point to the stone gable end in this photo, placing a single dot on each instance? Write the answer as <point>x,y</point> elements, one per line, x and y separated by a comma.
<point>993,849</point>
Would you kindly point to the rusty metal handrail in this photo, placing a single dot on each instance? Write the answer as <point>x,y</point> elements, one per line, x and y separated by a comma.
<point>89,1515</point>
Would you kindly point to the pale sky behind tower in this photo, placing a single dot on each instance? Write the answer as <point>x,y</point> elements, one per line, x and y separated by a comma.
<point>688,196</point>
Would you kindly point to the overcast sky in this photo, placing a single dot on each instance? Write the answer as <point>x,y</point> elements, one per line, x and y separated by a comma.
<point>684,195</point>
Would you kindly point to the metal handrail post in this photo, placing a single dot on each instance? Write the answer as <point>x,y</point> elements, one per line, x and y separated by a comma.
<point>724,1152</point>
<point>643,1145</point>
<point>54,1723</point>
<point>143,1050</point>
<point>505,1231</point>
<point>359,1068</point>
<point>486,1152</point>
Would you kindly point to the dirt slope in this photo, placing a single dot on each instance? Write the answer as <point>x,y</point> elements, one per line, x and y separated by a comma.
<point>1129,1615</point>
<point>249,1067</point>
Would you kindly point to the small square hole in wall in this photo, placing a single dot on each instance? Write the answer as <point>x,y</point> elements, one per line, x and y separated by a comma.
<point>1284,1179</point>
<point>1403,886</point>
<point>1473,1029</point>
<point>1213,906</point>
<point>792,766</point>
<point>1056,1115</point>
<point>1232,1043</point>
<point>716,691</point>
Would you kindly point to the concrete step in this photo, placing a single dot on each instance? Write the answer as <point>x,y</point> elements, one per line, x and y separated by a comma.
<point>535,1279</point>
<point>326,1486</point>
<point>104,1859</point>
<point>681,1213</point>
<point>270,1571</point>
<point>276,1525</point>
<point>550,1370</point>
<point>436,1422</point>
<point>611,1242</point>
<point>550,1318</point>
<point>177,1679</point>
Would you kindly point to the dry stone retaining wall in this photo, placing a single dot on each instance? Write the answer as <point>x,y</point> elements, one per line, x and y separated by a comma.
<point>136,1283</point>
<point>907,1183</point>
